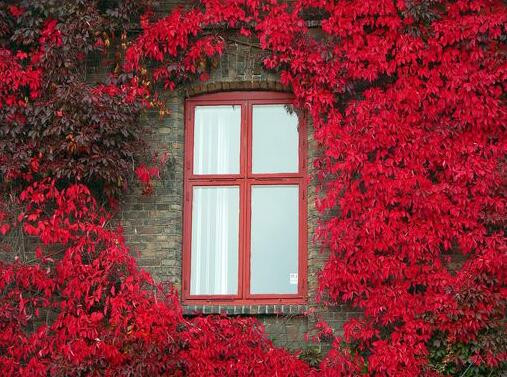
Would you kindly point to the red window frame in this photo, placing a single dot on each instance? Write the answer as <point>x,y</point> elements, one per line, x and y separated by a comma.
<point>245,179</point>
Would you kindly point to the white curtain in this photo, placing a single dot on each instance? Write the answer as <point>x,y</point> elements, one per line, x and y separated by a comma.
<point>215,235</point>
<point>215,209</point>
<point>217,131</point>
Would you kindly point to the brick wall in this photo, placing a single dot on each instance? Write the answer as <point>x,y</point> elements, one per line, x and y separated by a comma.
<point>153,224</point>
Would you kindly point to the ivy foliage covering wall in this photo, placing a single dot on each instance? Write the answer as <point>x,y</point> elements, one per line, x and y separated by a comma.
<point>407,99</point>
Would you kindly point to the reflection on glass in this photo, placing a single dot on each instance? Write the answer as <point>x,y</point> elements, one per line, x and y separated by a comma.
<point>274,239</point>
<point>215,234</point>
<point>217,131</point>
<point>274,140</point>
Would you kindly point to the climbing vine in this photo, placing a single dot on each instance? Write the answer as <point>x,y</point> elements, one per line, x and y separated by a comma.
<point>407,100</point>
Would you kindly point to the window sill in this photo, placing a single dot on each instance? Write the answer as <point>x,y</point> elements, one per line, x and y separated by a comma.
<point>254,309</point>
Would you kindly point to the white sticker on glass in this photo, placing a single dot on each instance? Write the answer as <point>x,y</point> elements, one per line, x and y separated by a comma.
<point>293,278</point>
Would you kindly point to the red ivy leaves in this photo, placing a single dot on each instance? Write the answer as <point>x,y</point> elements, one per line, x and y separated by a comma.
<point>145,175</point>
<point>15,77</point>
<point>50,33</point>
<point>16,11</point>
<point>407,104</point>
<point>406,100</point>
<point>103,314</point>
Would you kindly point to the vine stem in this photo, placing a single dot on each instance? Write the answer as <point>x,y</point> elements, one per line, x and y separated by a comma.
<point>466,370</point>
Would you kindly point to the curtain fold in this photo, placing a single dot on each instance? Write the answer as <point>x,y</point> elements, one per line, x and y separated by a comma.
<point>217,132</point>
<point>215,239</point>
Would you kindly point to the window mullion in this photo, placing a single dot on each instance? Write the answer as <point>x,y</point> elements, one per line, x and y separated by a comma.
<point>245,208</point>
<point>245,252</point>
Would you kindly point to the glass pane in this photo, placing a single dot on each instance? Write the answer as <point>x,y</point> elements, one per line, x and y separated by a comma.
<point>275,140</point>
<point>215,235</point>
<point>217,131</point>
<point>274,239</point>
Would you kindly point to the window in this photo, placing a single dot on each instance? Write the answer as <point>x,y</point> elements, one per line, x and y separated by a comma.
<point>245,208</point>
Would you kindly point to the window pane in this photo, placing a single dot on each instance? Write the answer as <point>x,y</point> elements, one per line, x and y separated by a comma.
<point>274,239</point>
<point>217,131</point>
<point>215,235</point>
<point>275,140</point>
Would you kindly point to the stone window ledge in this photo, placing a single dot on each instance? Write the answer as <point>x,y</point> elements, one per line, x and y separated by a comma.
<point>285,310</point>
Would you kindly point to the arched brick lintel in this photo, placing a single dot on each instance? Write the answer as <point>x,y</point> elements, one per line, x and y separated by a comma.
<point>225,86</point>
